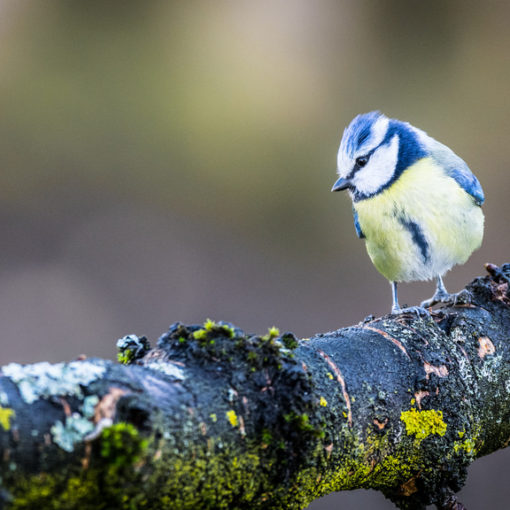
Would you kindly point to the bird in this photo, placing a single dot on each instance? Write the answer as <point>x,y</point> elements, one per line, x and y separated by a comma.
<point>415,202</point>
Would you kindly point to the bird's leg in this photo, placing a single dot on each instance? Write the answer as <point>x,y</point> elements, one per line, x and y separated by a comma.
<point>395,307</point>
<point>443,296</point>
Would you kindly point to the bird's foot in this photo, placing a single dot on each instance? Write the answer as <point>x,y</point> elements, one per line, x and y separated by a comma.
<point>418,311</point>
<point>463,297</point>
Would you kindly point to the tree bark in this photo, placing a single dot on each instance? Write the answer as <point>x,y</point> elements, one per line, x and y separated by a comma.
<point>215,418</point>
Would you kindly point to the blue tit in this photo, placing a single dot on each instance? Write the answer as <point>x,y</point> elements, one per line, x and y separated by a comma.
<point>416,204</point>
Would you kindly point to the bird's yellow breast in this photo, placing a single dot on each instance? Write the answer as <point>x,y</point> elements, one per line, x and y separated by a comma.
<point>420,226</point>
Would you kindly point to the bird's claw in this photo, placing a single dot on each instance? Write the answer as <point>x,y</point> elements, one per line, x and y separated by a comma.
<point>418,311</point>
<point>464,297</point>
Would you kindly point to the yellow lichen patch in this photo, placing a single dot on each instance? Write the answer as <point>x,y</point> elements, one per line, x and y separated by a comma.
<point>423,423</point>
<point>232,418</point>
<point>323,402</point>
<point>486,347</point>
<point>6,415</point>
<point>469,446</point>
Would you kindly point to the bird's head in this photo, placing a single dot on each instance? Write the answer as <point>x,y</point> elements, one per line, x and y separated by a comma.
<point>374,151</point>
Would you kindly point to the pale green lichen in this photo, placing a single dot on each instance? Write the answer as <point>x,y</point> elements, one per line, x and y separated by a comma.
<point>6,415</point>
<point>422,424</point>
<point>44,379</point>
<point>75,428</point>
<point>167,368</point>
<point>88,406</point>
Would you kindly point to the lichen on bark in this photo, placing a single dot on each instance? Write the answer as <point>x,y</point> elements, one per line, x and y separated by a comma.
<point>213,417</point>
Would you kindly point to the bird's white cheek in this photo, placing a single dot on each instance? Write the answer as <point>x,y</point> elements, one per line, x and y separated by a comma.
<point>380,168</point>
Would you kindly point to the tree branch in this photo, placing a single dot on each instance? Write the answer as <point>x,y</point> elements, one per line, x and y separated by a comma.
<point>215,418</point>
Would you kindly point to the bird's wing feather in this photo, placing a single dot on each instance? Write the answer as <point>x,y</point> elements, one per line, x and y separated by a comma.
<point>457,169</point>
<point>357,226</point>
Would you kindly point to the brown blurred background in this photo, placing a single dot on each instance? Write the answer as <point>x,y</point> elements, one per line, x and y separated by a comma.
<point>166,161</point>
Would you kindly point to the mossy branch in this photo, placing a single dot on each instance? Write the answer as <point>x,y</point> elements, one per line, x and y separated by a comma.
<point>215,418</point>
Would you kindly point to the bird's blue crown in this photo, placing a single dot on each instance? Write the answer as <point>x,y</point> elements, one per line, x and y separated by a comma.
<point>359,132</point>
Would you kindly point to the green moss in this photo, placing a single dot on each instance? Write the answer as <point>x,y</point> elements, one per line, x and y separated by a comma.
<point>267,437</point>
<point>272,332</point>
<point>193,483</point>
<point>210,325</point>
<point>6,415</point>
<point>54,492</point>
<point>289,341</point>
<point>200,334</point>
<point>422,424</point>
<point>125,358</point>
<point>218,342</point>
<point>301,422</point>
<point>130,348</point>
<point>110,480</point>
<point>214,327</point>
<point>121,444</point>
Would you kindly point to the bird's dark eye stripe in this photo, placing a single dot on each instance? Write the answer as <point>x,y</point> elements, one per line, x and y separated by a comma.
<point>359,163</point>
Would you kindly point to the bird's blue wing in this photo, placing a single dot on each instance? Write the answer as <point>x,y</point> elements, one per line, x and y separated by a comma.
<point>457,169</point>
<point>357,226</point>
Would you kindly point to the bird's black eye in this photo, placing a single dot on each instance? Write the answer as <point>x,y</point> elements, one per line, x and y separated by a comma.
<point>361,161</point>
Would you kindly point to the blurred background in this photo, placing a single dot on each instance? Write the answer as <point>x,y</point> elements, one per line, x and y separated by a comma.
<point>164,161</point>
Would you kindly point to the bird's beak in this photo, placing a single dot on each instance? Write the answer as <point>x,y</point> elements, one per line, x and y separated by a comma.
<point>341,184</point>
